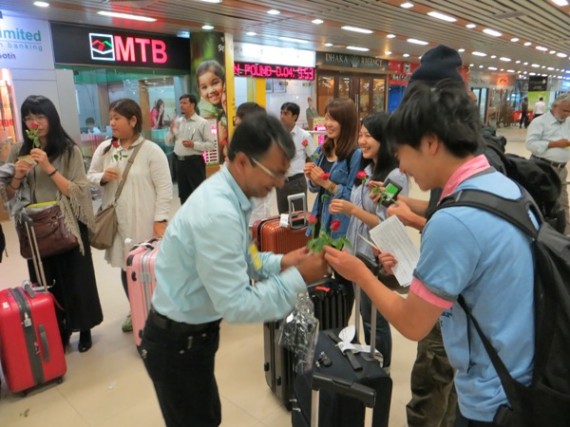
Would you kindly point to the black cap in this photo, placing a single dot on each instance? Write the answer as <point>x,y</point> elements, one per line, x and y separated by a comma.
<point>437,64</point>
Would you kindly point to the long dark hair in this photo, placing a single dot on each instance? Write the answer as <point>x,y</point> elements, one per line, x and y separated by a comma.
<point>58,140</point>
<point>343,110</point>
<point>386,161</point>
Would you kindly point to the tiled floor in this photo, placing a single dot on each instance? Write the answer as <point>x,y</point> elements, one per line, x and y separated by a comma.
<point>108,386</point>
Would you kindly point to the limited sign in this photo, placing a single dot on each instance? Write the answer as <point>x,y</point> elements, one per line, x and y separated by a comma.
<point>100,46</point>
<point>269,71</point>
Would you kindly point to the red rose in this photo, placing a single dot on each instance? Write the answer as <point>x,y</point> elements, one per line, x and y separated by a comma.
<point>361,175</point>
<point>312,219</point>
<point>115,143</point>
<point>325,175</point>
<point>34,125</point>
<point>305,143</point>
<point>335,225</point>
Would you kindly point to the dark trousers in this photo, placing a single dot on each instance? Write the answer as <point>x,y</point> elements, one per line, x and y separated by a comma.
<point>523,120</point>
<point>181,366</point>
<point>190,173</point>
<point>434,400</point>
<point>464,422</point>
<point>294,185</point>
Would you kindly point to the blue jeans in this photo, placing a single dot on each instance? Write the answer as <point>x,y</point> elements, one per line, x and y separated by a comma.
<point>383,333</point>
<point>181,367</point>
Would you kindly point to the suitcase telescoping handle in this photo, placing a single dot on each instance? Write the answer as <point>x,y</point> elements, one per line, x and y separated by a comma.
<point>36,259</point>
<point>361,392</point>
<point>292,198</point>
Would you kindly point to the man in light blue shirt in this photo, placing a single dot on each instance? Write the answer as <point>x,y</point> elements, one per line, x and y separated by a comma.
<point>203,271</point>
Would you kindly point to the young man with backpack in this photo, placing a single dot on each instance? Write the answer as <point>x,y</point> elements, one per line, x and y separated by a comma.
<point>464,251</point>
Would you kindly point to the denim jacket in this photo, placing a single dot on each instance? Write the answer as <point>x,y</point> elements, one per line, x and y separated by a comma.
<point>342,174</point>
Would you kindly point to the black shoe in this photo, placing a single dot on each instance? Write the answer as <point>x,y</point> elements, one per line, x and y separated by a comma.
<point>85,342</point>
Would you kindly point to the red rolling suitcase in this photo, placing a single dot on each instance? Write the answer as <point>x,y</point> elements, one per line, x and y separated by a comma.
<point>30,343</point>
<point>141,281</point>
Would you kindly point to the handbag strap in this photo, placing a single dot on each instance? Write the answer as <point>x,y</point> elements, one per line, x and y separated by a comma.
<point>128,168</point>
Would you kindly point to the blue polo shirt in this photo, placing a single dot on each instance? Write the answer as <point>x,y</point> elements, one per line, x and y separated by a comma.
<point>489,261</point>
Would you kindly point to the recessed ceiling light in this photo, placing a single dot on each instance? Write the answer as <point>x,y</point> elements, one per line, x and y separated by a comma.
<point>356,29</point>
<point>544,66</point>
<point>561,55</point>
<point>510,71</point>
<point>560,2</point>
<point>41,4</point>
<point>358,48</point>
<point>273,12</point>
<point>391,36</point>
<point>407,5</point>
<point>491,32</point>
<point>505,59</point>
<point>251,33</point>
<point>527,43</point>
<point>541,48</point>
<point>405,55</point>
<point>317,21</point>
<point>328,44</point>
<point>416,41</point>
<point>515,39</point>
<point>460,50</point>
<point>550,68</point>
<point>535,65</point>
<point>476,53</point>
<point>492,68</point>
<point>126,16</point>
<point>471,65</point>
<point>291,39</point>
<point>480,66</point>
<point>518,61</point>
<point>552,52</point>
<point>532,74</point>
<point>388,52</point>
<point>525,63</point>
<point>207,27</point>
<point>471,26</point>
<point>442,16</point>
<point>493,56</point>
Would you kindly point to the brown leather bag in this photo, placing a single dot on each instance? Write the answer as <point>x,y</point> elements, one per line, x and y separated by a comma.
<point>51,233</point>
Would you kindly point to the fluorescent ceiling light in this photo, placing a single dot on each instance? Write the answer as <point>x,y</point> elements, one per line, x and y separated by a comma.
<point>442,16</point>
<point>480,66</point>
<point>388,52</point>
<point>550,68</point>
<point>493,68</point>
<point>207,27</point>
<point>491,32</point>
<point>541,48</point>
<point>518,61</point>
<point>515,39</point>
<point>41,4</point>
<point>493,56</point>
<point>273,12</point>
<point>510,71</point>
<point>356,29</point>
<point>561,55</point>
<point>405,55</point>
<point>211,1</point>
<point>407,5</point>
<point>552,52</point>
<point>476,53</point>
<point>291,39</point>
<point>251,33</point>
<point>505,59</point>
<point>527,43</point>
<point>416,41</point>
<point>560,2</point>
<point>317,21</point>
<point>391,36</point>
<point>471,26</point>
<point>535,65</point>
<point>126,16</point>
<point>525,63</point>
<point>328,44</point>
<point>471,65</point>
<point>461,50</point>
<point>358,48</point>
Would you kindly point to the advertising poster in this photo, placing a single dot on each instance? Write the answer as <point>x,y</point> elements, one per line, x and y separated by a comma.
<point>25,44</point>
<point>208,82</point>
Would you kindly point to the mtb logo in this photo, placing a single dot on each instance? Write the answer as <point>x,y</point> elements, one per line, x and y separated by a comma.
<point>127,49</point>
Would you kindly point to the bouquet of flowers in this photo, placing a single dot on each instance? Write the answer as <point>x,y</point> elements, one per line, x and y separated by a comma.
<point>317,244</point>
<point>33,134</point>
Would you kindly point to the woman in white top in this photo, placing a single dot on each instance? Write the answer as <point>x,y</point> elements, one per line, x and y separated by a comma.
<point>144,204</point>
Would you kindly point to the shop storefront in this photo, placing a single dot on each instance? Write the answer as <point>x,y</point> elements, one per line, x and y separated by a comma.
<point>108,65</point>
<point>361,78</point>
<point>400,73</point>
<point>496,97</point>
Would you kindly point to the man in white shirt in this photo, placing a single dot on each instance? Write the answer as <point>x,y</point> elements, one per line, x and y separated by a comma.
<point>192,136</point>
<point>539,107</point>
<point>295,181</point>
<point>548,138</point>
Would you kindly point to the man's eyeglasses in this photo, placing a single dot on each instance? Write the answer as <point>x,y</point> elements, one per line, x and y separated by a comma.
<point>275,176</point>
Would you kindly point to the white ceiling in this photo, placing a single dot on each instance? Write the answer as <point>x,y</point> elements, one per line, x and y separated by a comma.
<point>537,21</point>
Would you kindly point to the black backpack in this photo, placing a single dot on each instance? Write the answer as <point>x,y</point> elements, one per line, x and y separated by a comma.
<point>536,176</point>
<point>546,402</point>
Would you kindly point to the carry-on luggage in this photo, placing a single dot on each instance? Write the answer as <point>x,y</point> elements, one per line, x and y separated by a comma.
<point>271,236</point>
<point>339,410</point>
<point>31,350</point>
<point>141,282</point>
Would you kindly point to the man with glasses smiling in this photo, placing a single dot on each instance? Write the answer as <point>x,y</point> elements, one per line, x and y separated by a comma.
<point>203,272</point>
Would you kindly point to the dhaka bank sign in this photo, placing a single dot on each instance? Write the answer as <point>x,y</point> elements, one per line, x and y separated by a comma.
<point>106,48</point>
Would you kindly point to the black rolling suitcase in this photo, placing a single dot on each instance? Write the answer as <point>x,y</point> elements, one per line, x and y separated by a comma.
<point>333,302</point>
<point>340,409</point>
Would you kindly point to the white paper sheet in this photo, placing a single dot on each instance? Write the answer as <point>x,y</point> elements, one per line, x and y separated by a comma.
<point>391,236</point>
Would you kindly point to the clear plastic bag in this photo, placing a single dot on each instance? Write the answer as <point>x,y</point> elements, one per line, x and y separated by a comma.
<point>299,332</point>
